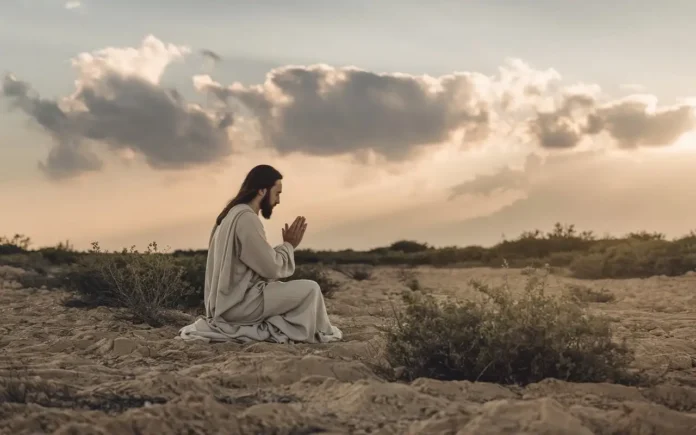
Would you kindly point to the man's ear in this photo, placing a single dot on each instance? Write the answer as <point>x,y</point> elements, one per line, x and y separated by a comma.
<point>262,192</point>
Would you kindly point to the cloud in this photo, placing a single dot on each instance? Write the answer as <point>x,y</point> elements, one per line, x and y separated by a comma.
<point>119,102</point>
<point>631,122</point>
<point>504,179</point>
<point>615,192</point>
<point>324,110</point>
<point>73,5</point>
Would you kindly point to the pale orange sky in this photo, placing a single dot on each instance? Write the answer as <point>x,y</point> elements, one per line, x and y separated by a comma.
<point>368,156</point>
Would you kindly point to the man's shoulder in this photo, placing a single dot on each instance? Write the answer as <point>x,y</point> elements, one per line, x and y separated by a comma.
<point>246,216</point>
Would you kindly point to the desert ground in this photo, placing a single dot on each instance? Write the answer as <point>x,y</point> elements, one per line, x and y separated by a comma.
<point>84,371</point>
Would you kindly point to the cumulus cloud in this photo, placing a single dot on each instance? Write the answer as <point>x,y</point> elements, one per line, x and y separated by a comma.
<point>119,102</point>
<point>630,122</point>
<point>323,110</point>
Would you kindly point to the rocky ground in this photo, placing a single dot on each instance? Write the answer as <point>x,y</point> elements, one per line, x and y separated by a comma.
<point>78,371</point>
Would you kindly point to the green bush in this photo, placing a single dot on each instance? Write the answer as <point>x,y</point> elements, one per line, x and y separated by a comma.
<point>504,339</point>
<point>144,283</point>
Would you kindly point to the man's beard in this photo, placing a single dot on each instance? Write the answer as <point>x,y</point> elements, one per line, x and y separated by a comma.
<point>266,207</point>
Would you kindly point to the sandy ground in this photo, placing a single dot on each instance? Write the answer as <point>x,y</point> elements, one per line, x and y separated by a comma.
<point>84,372</point>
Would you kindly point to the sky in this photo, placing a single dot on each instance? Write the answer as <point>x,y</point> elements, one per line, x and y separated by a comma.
<point>448,122</point>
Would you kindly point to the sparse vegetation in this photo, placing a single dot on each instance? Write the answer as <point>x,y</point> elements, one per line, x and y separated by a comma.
<point>145,283</point>
<point>505,339</point>
<point>150,282</point>
<point>638,254</point>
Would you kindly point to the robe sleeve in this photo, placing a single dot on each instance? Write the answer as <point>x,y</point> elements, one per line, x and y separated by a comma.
<point>259,255</point>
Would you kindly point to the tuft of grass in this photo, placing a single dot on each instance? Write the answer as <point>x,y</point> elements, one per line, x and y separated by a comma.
<point>504,339</point>
<point>319,275</point>
<point>146,284</point>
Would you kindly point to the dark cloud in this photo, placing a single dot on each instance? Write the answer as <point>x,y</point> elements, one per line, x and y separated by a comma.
<point>125,112</point>
<point>326,111</point>
<point>631,123</point>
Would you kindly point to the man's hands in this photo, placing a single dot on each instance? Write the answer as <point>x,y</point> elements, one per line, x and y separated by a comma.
<point>294,233</point>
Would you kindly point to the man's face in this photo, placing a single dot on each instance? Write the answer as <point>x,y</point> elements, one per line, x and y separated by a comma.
<point>271,199</point>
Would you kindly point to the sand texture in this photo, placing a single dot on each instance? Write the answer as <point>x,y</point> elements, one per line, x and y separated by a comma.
<point>83,371</point>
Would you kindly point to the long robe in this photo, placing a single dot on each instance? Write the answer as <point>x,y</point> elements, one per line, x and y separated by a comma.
<point>244,299</point>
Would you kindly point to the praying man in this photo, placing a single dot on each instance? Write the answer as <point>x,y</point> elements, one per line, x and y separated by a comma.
<point>244,299</point>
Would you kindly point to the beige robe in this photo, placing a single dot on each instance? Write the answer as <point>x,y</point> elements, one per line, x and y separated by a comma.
<point>244,301</point>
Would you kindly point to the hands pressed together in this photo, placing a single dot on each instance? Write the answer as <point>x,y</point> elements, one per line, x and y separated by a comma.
<point>294,233</point>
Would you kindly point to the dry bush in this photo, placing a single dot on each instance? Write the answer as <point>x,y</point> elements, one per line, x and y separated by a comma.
<point>145,283</point>
<point>317,274</point>
<point>587,294</point>
<point>504,339</point>
<point>637,257</point>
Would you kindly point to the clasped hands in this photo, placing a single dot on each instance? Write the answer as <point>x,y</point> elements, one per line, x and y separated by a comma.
<point>294,233</point>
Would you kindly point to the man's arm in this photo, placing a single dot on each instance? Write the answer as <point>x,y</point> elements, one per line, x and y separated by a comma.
<point>258,254</point>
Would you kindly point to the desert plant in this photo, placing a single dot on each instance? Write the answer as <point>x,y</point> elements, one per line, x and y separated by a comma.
<point>502,338</point>
<point>319,275</point>
<point>62,253</point>
<point>19,240</point>
<point>144,283</point>
<point>18,244</point>
<point>193,274</point>
<point>637,258</point>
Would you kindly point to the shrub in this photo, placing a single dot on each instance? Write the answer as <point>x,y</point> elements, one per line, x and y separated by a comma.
<point>318,274</point>
<point>194,275</point>
<point>61,254</point>
<point>637,258</point>
<point>503,339</point>
<point>143,283</point>
<point>18,244</point>
<point>408,246</point>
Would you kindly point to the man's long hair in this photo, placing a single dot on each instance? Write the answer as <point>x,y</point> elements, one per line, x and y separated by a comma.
<point>260,177</point>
